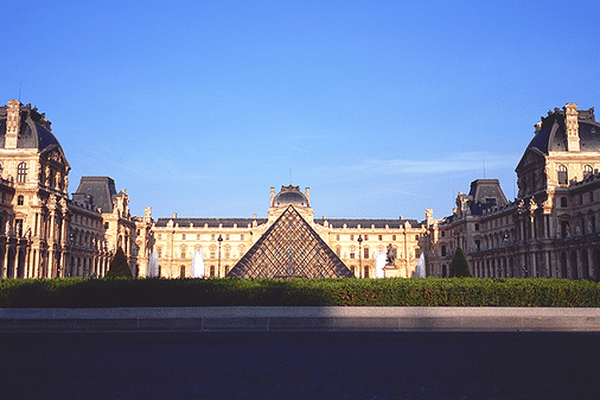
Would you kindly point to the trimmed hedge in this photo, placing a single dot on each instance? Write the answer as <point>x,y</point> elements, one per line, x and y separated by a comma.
<point>152,292</point>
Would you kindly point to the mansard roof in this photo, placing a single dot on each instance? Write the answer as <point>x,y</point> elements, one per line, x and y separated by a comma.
<point>290,248</point>
<point>367,223</point>
<point>100,190</point>
<point>485,194</point>
<point>551,134</point>
<point>210,222</point>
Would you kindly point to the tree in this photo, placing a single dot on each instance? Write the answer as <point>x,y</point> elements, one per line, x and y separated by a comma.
<point>459,266</point>
<point>118,266</point>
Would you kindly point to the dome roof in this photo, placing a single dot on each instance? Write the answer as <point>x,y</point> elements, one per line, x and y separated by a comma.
<point>290,195</point>
<point>34,129</point>
<point>551,133</point>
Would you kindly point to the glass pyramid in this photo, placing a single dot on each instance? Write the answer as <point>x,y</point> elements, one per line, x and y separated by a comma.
<point>290,248</point>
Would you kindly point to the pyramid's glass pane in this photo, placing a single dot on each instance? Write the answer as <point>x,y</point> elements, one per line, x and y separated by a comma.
<point>290,249</point>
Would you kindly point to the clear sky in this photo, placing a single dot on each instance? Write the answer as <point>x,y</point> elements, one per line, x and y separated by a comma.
<point>382,108</point>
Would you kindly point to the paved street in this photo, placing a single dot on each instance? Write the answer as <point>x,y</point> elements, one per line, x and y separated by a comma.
<point>300,365</point>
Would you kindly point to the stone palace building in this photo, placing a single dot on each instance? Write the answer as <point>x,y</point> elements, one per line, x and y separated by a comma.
<point>550,229</point>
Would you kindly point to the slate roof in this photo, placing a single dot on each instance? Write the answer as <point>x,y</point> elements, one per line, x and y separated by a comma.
<point>211,222</point>
<point>101,190</point>
<point>552,135</point>
<point>366,223</point>
<point>34,132</point>
<point>486,194</point>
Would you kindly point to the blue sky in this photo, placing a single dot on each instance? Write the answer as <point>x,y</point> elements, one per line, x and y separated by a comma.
<point>382,108</point>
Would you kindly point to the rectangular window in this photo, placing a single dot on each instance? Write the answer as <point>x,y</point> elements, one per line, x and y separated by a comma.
<point>443,251</point>
<point>198,236</point>
<point>159,252</point>
<point>380,237</point>
<point>337,237</point>
<point>366,252</point>
<point>182,238</point>
<point>242,237</point>
<point>351,237</point>
<point>366,237</point>
<point>417,253</point>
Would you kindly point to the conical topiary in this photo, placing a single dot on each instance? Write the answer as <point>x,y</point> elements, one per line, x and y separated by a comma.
<point>459,266</point>
<point>118,266</point>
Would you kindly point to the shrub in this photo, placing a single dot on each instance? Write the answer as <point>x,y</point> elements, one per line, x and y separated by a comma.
<point>154,292</point>
<point>119,268</point>
<point>459,266</point>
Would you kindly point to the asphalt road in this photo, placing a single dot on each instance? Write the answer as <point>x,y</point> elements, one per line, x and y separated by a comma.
<point>299,365</point>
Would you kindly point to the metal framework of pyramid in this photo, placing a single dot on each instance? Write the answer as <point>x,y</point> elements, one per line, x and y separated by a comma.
<point>290,248</point>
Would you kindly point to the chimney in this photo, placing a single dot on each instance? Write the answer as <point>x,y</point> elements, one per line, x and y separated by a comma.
<point>572,127</point>
<point>13,123</point>
<point>308,195</point>
<point>272,195</point>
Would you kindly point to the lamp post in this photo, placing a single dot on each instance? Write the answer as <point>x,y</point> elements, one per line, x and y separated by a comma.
<point>219,239</point>
<point>360,239</point>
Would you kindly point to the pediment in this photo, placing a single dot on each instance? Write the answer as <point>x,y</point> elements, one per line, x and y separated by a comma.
<point>532,156</point>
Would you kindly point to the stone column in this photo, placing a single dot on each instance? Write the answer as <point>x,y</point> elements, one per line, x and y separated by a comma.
<point>5,261</point>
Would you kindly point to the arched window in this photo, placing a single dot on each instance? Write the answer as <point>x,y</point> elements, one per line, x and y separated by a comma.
<point>182,271</point>
<point>562,175</point>
<point>22,172</point>
<point>366,272</point>
<point>212,271</point>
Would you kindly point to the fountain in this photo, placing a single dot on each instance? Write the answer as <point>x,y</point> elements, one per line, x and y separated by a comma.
<point>152,271</point>
<point>380,262</point>
<point>198,268</point>
<point>420,272</point>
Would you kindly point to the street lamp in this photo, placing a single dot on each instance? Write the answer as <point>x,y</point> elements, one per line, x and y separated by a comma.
<point>219,239</point>
<point>360,239</point>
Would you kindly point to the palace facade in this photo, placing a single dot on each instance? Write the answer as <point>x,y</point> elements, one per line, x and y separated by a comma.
<point>44,233</point>
<point>225,241</point>
<point>552,228</point>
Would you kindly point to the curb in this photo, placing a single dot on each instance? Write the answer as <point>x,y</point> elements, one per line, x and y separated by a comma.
<point>186,319</point>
